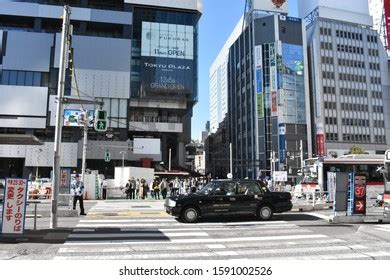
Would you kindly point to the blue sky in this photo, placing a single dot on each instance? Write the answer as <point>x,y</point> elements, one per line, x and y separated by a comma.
<point>217,22</point>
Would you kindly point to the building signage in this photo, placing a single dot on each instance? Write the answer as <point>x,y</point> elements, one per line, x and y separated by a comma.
<point>14,207</point>
<point>360,191</point>
<point>259,81</point>
<point>331,186</point>
<point>274,105</point>
<point>260,106</point>
<point>320,140</point>
<point>282,143</point>
<point>74,117</point>
<point>167,40</point>
<point>167,60</point>
<point>280,176</point>
<point>387,19</point>
<point>164,75</point>
<point>279,6</point>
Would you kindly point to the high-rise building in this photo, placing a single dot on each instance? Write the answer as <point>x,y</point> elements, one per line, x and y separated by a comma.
<point>218,84</point>
<point>349,79</point>
<point>137,56</point>
<point>268,97</point>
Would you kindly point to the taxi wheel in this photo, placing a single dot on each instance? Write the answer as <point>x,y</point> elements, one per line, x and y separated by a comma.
<point>190,215</point>
<point>264,213</point>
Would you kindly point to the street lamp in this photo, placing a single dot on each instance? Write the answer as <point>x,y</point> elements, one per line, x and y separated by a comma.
<point>123,165</point>
<point>39,151</point>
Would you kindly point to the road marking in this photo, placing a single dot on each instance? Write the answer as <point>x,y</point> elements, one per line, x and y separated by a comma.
<point>226,253</point>
<point>216,246</point>
<point>248,253</point>
<point>135,235</point>
<point>116,247</point>
<point>204,240</point>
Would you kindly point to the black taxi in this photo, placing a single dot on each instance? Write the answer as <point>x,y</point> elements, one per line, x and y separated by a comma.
<point>229,198</point>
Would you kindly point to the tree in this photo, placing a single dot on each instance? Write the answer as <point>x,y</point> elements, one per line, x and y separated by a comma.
<point>356,150</point>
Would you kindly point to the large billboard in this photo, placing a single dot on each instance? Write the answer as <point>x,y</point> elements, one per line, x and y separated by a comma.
<point>278,6</point>
<point>167,59</point>
<point>167,40</point>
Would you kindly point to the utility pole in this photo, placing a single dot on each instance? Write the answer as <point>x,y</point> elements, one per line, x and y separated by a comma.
<point>301,154</point>
<point>231,158</point>
<point>59,120</point>
<point>85,144</point>
<point>170,159</point>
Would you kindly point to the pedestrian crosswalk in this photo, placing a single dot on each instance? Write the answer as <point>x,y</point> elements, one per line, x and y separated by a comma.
<point>165,238</point>
<point>385,228</point>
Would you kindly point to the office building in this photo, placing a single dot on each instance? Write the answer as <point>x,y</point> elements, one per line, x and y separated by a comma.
<point>268,97</point>
<point>349,78</point>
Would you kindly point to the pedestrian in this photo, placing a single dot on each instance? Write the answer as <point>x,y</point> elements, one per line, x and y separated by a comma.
<point>127,189</point>
<point>164,188</point>
<point>176,186</point>
<point>77,190</point>
<point>132,188</point>
<point>144,188</point>
<point>137,188</point>
<point>170,186</point>
<point>104,186</point>
<point>156,189</point>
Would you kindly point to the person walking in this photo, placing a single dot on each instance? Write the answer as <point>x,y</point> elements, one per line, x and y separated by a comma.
<point>137,188</point>
<point>156,189</point>
<point>176,186</point>
<point>132,188</point>
<point>104,186</point>
<point>145,188</point>
<point>127,189</point>
<point>164,188</point>
<point>77,190</point>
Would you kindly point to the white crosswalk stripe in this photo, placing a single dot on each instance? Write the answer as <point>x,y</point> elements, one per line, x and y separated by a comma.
<point>385,228</point>
<point>166,238</point>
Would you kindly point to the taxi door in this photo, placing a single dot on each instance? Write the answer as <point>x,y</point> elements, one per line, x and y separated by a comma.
<point>246,198</point>
<point>221,199</point>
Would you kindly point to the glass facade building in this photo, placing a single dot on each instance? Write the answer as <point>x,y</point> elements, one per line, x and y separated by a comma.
<point>138,57</point>
<point>268,97</point>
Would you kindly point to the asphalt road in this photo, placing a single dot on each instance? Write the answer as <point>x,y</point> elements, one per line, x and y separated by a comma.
<point>142,230</point>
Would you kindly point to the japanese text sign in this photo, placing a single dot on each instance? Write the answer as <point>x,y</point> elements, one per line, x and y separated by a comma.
<point>14,207</point>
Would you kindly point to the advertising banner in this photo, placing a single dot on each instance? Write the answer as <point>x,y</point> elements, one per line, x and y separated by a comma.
<point>163,75</point>
<point>331,185</point>
<point>259,81</point>
<point>167,60</point>
<point>280,176</point>
<point>260,106</point>
<point>387,20</point>
<point>282,143</point>
<point>14,207</point>
<point>274,105</point>
<point>74,117</point>
<point>167,40</point>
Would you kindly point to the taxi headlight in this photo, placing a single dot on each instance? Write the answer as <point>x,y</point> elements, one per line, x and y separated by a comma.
<point>171,203</point>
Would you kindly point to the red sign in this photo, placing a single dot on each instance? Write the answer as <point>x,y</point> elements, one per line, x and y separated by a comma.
<point>360,195</point>
<point>360,207</point>
<point>278,3</point>
<point>320,141</point>
<point>274,103</point>
<point>360,192</point>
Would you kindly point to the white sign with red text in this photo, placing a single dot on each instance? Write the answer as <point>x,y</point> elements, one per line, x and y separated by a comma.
<point>14,207</point>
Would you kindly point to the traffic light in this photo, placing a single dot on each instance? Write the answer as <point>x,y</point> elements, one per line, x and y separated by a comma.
<point>100,123</point>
